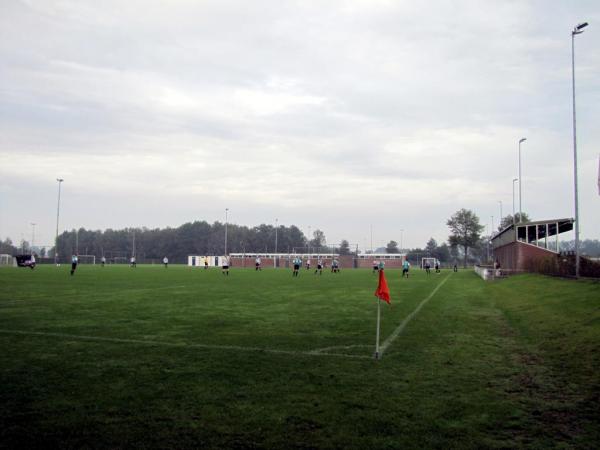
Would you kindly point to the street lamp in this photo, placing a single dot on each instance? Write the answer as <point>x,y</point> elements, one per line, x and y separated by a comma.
<point>520,182</point>
<point>276,225</point>
<point>226,211</point>
<point>275,256</point>
<point>60,180</point>
<point>577,30</point>
<point>401,236</point>
<point>32,235</point>
<point>513,183</point>
<point>500,223</point>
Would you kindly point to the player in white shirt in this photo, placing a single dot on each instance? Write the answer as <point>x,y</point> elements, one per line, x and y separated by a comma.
<point>319,267</point>
<point>132,262</point>
<point>225,265</point>
<point>166,262</point>
<point>102,261</point>
<point>74,261</point>
<point>257,264</point>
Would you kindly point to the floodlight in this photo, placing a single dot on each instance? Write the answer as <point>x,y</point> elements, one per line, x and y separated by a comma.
<point>579,28</point>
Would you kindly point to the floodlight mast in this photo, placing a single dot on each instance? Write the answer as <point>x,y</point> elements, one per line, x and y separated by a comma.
<point>226,211</point>
<point>500,221</point>
<point>32,235</point>
<point>401,237</point>
<point>276,226</point>
<point>520,183</point>
<point>60,180</point>
<point>577,30</point>
<point>513,185</point>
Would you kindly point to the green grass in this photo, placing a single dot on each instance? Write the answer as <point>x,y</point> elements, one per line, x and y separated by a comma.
<point>181,358</point>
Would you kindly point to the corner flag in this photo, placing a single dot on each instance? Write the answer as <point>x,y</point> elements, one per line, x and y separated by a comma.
<point>383,292</point>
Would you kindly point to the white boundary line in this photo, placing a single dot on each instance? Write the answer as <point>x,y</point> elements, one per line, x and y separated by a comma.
<point>175,344</point>
<point>392,337</point>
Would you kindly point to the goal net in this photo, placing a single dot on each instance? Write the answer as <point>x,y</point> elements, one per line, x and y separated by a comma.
<point>86,259</point>
<point>6,260</point>
<point>431,262</point>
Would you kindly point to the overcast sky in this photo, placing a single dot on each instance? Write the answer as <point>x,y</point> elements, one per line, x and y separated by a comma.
<point>338,115</point>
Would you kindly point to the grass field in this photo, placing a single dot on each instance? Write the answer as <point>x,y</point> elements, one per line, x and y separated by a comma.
<point>179,358</point>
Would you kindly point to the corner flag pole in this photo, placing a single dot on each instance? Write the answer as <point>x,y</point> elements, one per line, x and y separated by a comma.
<point>378,322</point>
<point>382,293</point>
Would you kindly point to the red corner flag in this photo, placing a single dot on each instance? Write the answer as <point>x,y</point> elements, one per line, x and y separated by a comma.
<point>383,292</point>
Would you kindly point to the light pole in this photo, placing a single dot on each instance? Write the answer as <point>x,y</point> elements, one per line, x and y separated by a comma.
<point>520,182</point>
<point>488,244</point>
<point>60,180</point>
<point>514,179</point>
<point>276,225</point>
<point>226,211</point>
<point>32,236</point>
<point>500,223</point>
<point>401,236</point>
<point>577,30</point>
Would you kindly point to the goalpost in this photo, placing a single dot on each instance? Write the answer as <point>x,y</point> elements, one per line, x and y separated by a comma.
<point>86,259</point>
<point>6,260</point>
<point>431,262</point>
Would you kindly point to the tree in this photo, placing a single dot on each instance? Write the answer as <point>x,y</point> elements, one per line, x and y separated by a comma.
<point>431,247</point>
<point>415,255</point>
<point>464,228</point>
<point>318,239</point>
<point>344,247</point>
<point>442,252</point>
<point>392,247</point>
<point>508,220</point>
<point>8,247</point>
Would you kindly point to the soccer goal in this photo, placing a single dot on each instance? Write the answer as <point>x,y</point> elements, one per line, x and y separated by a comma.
<point>431,262</point>
<point>6,260</point>
<point>86,259</point>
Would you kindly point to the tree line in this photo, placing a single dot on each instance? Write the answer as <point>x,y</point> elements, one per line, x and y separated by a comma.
<point>465,242</point>
<point>192,238</point>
